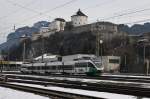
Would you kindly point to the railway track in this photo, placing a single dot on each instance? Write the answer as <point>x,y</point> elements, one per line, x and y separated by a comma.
<point>120,88</point>
<point>127,78</point>
<point>134,78</point>
<point>103,77</point>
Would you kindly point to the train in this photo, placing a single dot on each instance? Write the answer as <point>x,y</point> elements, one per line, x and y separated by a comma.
<point>73,65</point>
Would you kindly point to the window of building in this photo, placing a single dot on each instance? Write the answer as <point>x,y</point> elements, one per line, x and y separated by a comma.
<point>113,60</point>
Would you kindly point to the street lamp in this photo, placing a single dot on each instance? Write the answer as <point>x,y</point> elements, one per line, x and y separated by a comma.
<point>24,37</point>
<point>146,44</point>
<point>42,46</point>
<point>101,42</point>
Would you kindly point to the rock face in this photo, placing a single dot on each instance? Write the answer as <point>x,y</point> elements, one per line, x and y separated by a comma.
<point>27,30</point>
<point>136,29</point>
<point>22,31</point>
<point>13,38</point>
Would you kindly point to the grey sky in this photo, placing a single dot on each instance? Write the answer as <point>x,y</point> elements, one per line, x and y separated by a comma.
<point>27,12</point>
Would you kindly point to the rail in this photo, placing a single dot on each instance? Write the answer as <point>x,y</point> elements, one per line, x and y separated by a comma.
<point>120,88</point>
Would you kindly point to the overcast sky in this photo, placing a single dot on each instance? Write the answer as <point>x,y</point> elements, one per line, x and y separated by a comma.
<point>27,12</point>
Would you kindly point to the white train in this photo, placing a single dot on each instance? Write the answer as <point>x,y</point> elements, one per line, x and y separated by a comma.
<point>72,64</point>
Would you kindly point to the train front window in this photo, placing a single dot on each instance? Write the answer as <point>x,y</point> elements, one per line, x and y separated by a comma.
<point>81,64</point>
<point>98,64</point>
<point>90,64</point>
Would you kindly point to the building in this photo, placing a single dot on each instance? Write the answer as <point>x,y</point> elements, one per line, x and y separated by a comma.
<point>1,57</point>
<point>79,24</point>
<point>44,29</point>
<point>79,19</point>
<point>57,25</point>
<point>146,36</point>
<point>111,63</point>
<point>134,38</point>
<point>35,36</point>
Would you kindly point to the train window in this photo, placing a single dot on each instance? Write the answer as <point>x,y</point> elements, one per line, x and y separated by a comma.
<point>86,58</point>
<point>47,67</point>
<point>68,67</point>
<point>43,67</point>
<point>38,68</point>
<point>75,59</point>
<point>90,64</point>
<point>113,60</point>
<point>81,64</point>
<point>53,67</point>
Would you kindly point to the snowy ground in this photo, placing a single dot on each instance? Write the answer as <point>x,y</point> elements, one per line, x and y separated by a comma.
<point>6,93</point>
<point>135,76</point>
<point>77,91</point>
<point>105,95</point>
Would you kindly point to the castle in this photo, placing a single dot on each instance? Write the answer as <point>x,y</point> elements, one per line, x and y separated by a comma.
<point>78,24</point>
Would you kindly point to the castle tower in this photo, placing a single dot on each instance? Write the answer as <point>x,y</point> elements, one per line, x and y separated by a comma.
<point>57,25</point>
<point>79,19</point>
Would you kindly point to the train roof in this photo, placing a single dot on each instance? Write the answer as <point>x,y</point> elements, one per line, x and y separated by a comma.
<point>77,56</point>
<point>46,56</point>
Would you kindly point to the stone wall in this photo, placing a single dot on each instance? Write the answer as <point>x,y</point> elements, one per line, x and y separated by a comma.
<point>107,30</point>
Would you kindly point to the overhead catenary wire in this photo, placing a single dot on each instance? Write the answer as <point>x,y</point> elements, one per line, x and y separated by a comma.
<point>69,2</point>
<point>38,14</point>
<point>128,13</point>
<point>16,11</point>
<point>136,22</point>
<point>100,4</point>
<point>47,11</point>
<point>21,6</point>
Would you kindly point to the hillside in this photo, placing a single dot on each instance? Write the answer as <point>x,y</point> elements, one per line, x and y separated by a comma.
<point>13,38</point>
<point>136,29</point>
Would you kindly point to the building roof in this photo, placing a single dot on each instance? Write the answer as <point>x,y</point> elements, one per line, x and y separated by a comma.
<point>104,23</point>
<point>60,19</point>
<point>79,13</point>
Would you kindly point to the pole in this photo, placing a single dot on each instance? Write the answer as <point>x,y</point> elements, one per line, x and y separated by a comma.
<point>24,51</point>
<point>8,60</point>
<point>42,49</point>
<point>0,66</point>
<point>101,42</point>
<point>147,67</point>
<point>97,43</point>
<point>125,62</point>
<point>144,53</point>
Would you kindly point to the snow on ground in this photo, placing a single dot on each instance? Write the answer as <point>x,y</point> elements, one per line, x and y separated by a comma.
<point>6,93</point>
<point>105,95</point>
<point>135,76</point>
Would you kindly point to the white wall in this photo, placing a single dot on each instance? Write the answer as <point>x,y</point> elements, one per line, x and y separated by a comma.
<point>57,26</point>
<point>79,20</point>
<point>44,29</point>
<point>111,66</point>
<point>1,57</point>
